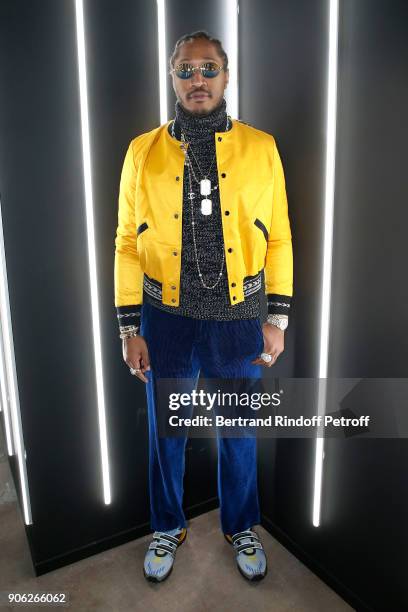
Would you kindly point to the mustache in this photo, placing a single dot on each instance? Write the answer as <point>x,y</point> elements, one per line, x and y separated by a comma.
<point>196,91</point>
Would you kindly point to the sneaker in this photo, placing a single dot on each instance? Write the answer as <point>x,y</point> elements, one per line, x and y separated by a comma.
<point>160,555</point>
<point>251,558</point>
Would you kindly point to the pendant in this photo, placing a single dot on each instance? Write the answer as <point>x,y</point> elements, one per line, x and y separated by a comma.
<point>205,187</point>
<point>206,207</point>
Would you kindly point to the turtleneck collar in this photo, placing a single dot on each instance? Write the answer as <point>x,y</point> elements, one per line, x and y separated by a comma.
<point>200,127</point>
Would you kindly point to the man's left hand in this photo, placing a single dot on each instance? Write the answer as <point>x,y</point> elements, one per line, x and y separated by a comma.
<point>273,344</point>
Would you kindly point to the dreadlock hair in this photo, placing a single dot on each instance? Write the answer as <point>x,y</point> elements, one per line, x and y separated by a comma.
<point>199,34</point>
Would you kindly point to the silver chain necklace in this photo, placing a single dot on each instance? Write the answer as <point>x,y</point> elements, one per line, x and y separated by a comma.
<point>206,204</point>
<point>205,183</point>
<point>195,245</point>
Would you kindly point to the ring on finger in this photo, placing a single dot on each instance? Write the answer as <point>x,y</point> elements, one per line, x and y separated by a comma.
<point>134,370</point>
<point>273,360</point>
<point>266,357</point>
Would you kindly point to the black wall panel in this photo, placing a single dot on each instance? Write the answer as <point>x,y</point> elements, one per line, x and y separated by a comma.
<point>45,240</point>
<point>282,58</point>
<point>365,493</point>
<point>370,247</point>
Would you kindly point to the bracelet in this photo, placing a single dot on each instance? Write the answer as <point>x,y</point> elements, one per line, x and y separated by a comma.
<point>128,331</point>
<point>125,328</point>
<point>128,335</point>
<point>279,320</point>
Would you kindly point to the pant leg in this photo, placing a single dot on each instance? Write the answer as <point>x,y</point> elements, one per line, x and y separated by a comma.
<point>170,341</point>
<point>226,349</point>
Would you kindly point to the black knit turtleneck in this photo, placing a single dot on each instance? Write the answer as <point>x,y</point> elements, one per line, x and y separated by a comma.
<point>197,127</point>
<point>195,300</point>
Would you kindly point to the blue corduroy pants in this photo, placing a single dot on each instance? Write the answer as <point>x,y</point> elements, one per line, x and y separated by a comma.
<point>182,347</point>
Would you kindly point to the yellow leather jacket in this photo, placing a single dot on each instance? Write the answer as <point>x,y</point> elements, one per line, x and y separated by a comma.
<point>254,211</point>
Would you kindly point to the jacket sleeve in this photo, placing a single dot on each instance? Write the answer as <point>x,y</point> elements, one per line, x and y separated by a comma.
<point>128,275</point>
<point>279,255</point>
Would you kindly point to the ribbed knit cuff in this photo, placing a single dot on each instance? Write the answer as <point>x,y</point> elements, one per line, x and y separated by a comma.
<point>129,315</point>
<point>278,304</point>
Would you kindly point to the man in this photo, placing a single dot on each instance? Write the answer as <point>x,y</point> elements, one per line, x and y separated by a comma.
<point>202,213</point>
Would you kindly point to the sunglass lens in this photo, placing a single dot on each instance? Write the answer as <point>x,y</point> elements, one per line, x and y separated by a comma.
<point>184,71</point>
<point>210,70</point>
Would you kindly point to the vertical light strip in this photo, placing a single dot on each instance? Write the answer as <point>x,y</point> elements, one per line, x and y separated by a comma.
<point>163,63</point>
<point>4,395</point>
<point>327,248</point>
<point>231,46</point>
<point>14,428</point>
<point>86,153</point>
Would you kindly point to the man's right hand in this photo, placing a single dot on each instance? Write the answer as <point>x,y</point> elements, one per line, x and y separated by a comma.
<point>136,355</point>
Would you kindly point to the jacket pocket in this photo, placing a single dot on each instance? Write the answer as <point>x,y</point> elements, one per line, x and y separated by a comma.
<point>261,226</point>
<point>141,228</point>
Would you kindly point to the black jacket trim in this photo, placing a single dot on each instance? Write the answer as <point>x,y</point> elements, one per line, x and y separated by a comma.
<point>252,284</point>
<point>278,304</point>
<point>152,287</point>
<point>141,228</point>
<point>261,226</point>
<point>128,315</point>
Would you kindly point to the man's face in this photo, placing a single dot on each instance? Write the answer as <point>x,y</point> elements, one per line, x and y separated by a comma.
<point>190,91</point>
